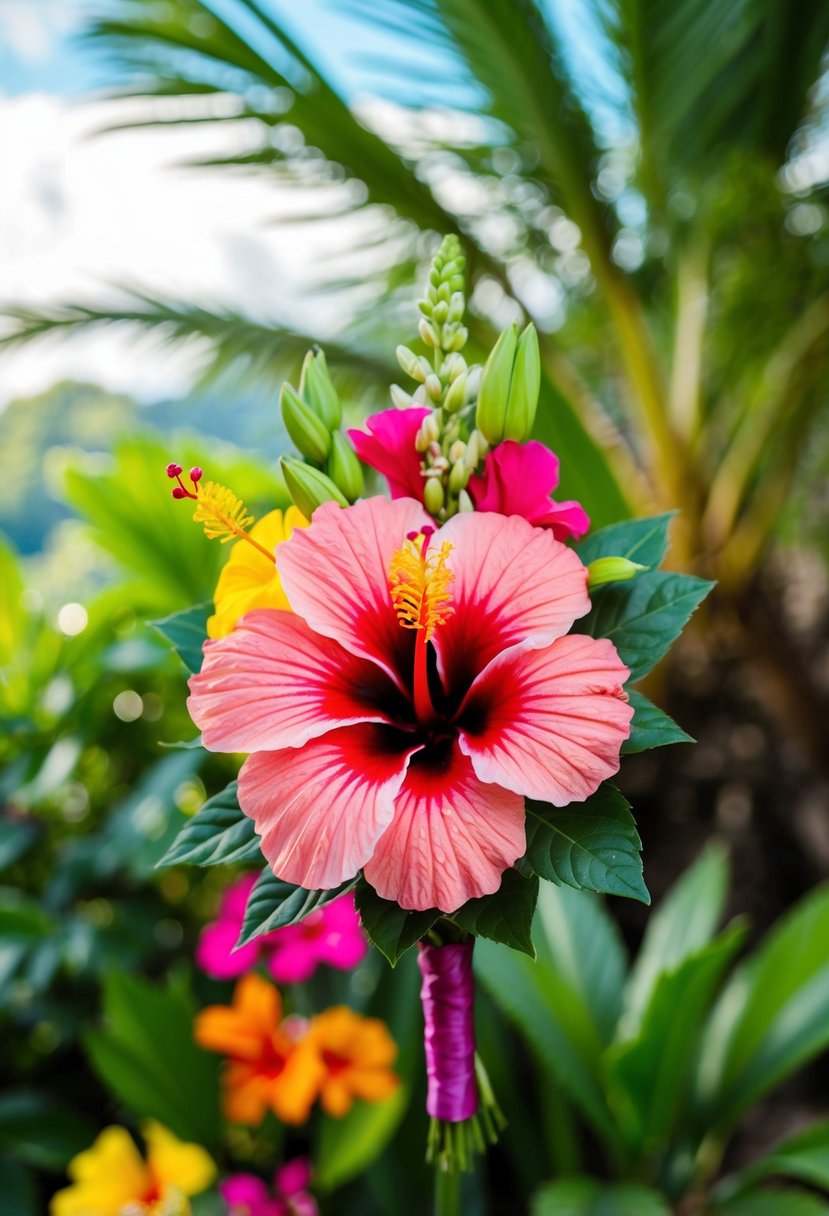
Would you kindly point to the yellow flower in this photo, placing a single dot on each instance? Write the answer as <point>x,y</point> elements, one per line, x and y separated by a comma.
<point>249,580</point>
<point>112,1179</point>
<point>358,1053</point>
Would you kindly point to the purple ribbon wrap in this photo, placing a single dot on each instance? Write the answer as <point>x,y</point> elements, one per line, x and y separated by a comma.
<point>447,994</point>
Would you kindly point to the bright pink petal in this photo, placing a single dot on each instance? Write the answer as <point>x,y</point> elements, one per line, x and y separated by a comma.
<point>451,838</point>
<point>274,683</point>
<point>389,447</point>
<point>293,963</point>
<point>518,479</point>
<point>244,1189</point>
<point>293,1176</point>
<point>320,809</point>
<point>336,576</point>
<point>215,952</point>
<point>513,583</point>
<point>235,899</point>
<point>549,723</point>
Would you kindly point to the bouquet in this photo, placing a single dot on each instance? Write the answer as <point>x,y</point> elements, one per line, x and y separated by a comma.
<point>433,690</point>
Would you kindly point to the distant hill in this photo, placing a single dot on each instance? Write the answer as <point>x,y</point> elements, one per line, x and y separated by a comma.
<point>89,417</point>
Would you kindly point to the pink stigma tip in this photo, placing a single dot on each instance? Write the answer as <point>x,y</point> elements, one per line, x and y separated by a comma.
<point>196,474</point>
<point>427,530</point>
<point>179,492</point>
<point>173,470</point>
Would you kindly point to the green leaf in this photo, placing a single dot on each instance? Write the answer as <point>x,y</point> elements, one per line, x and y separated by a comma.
<point>648,1074</point>
<point>218,834</point>
<point>577,938</point>
<point>592,845</point>
<point>146,1055</point>
<point>16,838</point>
<point>506,916</point>
<point>651,727</point>
<point>683,924</point>
<point>273,904</point>
<point>640,540</point>
<point>186,631</point>
<point>776,1201</point>
<point>584,1197</point>
<point>804,1157</point>
<point>17,1186</point>
<point>555,1021</point>
<point>643,617</point>
<point>40,1131</point>
<point>772,1016</point>
<point>347,1146</point>
<point>387,926</point>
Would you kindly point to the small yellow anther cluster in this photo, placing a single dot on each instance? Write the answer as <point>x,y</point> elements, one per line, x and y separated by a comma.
<point>223,514</point>
<point>420,585</point>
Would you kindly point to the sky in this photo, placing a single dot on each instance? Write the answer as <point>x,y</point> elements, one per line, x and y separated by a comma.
<point>80,213</point>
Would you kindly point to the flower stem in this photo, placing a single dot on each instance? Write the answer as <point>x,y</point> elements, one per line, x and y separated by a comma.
<point>447,1192</point>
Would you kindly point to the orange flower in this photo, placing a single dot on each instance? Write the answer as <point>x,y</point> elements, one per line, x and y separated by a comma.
<point>272,1065</point>
<point>358,1053</point>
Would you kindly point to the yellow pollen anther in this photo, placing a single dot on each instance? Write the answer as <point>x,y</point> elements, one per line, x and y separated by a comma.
<point>419,586</point>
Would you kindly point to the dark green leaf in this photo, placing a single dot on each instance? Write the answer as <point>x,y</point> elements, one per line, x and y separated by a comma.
<point>776,1201</point>
<point>592,845</point>
<point>772,1016</point>
<point>648,1074</point>
<point>41,1131</point>
<point>651,727</point>
<point>387,926</point>
<point>640,540</point>
<point>218,834</point>
<point>147,1056</point>
<point>186,631</point>
<point>506,916</point>
<point>347,1146</point>
<point>804,1157</point>
<point>643,617</point>
<point>16,838</point>
<point>683,924</point>
<point>273,904</point>
<point>17,1186</point>
<point>585,1197</point>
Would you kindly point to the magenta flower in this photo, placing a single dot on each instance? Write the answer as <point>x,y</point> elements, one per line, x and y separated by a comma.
<point>422,685</point>
<point>247,1195</point>
<point>329,935</point>
<point>518,479</point>
<point>389,447</point>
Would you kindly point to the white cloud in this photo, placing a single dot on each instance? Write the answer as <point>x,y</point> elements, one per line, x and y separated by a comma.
<point>81,213</point>
<point>33,29</point>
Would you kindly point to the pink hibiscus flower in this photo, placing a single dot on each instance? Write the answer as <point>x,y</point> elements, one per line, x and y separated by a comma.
<point>247,1195</point>
<point>518,479</point>
<point>389,447</point>
<point>331,935</point>
<point>407,751</point>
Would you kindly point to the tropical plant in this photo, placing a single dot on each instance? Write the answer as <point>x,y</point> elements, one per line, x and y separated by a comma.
<point>660,1061</point>
<point>624,182</point>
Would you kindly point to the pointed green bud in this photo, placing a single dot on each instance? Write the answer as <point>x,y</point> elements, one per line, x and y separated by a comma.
<point>317,389</point>
<point>308,433</point>
<point>493,395</point>
<point>344,468</point>
<point>465,503</point>
<point>458,477</point>
<point>433,495</point>
<point>308,487</point>
<point>427,332</point>
<point>524,388</point>
<point>433,386</point>
<point>455,395</point>
<point>611,570</point>
<point>413,365</point>
<point>400,397</point>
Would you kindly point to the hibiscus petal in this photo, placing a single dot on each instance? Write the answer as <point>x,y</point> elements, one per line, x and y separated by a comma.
<point>549,723</point>
<point>336,576</point>
<point>274,683</point>
<point>320,809</point>
<point>388,445</point>
<point>513,583</point>
<point>451,838</point>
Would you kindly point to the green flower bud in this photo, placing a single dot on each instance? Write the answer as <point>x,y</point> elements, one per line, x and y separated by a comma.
<point>400,397</point>
<point>458,450</point>
<point>433,495</point>
<point>458,477</point>
<point>465,503</point>
<point>440,313</point>
<point>433,386</point>
<point>611,570</point>
<point>524,388</point>
<point>427,332</point>
<point>412,364</point>
<point>344,468</point>
<point>493,395</point>
<point>308,487</point>
<point>308,433</point>
<point>317,390</point>
<point>455,395</point>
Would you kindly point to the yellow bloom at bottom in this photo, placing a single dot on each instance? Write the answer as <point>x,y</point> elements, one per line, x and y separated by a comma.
<point>358,1053</point>
<point>112,1179</point>
<point>249,580</point>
